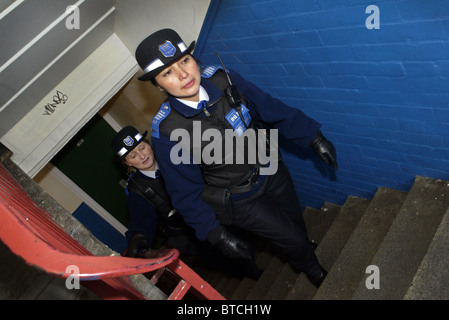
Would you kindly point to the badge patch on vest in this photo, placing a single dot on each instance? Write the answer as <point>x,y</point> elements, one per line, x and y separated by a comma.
<point>167,49</point>
<point>236,122</point>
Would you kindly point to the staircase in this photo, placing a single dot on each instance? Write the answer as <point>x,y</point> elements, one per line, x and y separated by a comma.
<point>405,235</point>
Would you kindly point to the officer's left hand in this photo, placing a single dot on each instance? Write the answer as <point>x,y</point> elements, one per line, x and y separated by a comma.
<point>325,150</point>
<point>230,245</point>
<point>137,244</point>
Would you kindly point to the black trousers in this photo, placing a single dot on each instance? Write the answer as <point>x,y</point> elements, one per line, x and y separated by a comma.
<point>274,212</point>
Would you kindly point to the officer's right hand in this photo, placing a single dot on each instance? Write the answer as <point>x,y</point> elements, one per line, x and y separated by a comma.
<point>325,150</point>
<point>231,246</point>
<point>137,243</point>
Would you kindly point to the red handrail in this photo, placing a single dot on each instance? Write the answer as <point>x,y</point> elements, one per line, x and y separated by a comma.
<point>17,233</point>
<point>30,233</point>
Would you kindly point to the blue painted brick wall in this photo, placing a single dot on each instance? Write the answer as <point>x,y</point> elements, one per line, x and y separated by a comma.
<point>382,95</point>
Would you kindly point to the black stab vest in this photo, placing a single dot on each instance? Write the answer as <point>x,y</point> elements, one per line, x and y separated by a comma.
<point>154,191</point>
<point>216,174</point>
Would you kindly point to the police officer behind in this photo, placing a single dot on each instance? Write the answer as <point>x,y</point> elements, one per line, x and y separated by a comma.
<point>148,202</point>
<point>264,204</point>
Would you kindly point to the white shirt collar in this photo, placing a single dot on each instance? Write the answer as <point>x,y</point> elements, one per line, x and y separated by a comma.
<point>151,174</point>
<point>192,104</point>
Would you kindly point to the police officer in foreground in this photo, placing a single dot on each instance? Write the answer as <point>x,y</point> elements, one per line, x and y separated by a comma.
<point>213,196</point>
<point>150,208</point>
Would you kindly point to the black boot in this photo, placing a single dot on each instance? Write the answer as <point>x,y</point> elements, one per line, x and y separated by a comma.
<point>251,270</point>
<point>316,275</point>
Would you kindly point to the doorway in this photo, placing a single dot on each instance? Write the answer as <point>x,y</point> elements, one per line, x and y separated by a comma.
<point>89,162</point>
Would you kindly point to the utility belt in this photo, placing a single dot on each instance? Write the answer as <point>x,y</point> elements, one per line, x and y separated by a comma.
<point>247,185</point>
<point>219,198</point>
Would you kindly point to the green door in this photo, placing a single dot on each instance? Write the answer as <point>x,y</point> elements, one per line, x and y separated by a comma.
<point>89,162</point>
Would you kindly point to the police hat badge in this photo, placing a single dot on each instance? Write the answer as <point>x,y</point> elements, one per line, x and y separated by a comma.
<point>167,49</point>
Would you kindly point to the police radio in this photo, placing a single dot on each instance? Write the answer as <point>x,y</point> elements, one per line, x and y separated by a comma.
<point>232,93</point>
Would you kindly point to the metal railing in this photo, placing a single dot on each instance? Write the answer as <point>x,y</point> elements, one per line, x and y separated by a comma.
<point>29,232</point>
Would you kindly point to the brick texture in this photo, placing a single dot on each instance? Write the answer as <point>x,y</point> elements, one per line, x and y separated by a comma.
<point>382,95</point>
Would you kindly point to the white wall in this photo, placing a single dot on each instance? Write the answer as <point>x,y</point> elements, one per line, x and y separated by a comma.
<point>137,19</point>
<point>134,21</point>
<point>137,102</point>
<point>89,66</point>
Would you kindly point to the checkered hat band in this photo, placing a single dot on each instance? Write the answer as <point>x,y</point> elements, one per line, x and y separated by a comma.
<point>158,63</point>
<point>123,150</point>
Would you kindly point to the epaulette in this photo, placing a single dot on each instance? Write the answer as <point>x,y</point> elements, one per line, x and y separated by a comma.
<point>163,112</point>
<point>210,71</point>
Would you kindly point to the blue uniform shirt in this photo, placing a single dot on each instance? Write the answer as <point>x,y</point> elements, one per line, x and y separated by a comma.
<point>184,182</point>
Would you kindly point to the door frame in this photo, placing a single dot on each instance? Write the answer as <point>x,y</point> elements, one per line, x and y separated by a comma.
<point>84,197</point>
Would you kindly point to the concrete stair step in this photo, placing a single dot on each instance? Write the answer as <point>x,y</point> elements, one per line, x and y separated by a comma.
<point>350,266</point>
<point>317,223</point>
<point>404,234</point>
<point>265,282</point>
<point>285,280</point>
<point>229,286</point>
<point>269,286</point>
<point>331,244</point>
<point>222,281</point>
<point>225,283</point>
<point>263,260</point>
<point>406,243</point>
<point>430,281</point>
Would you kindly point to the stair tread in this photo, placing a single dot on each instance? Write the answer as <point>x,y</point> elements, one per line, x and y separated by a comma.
<point>404,234</point>
<point>408,239</point>
<point>284,282</point>
<point>264,283</point>
<point>245,286</point>
<point>430,281</point>
<point>331,244</point>
<point>350,266</point>
<point>317,223</point>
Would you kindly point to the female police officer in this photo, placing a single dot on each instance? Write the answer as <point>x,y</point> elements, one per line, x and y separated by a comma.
<point>264,204</point>
<point>150,208</point>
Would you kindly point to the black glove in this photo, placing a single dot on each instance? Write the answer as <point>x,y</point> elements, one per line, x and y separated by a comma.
<point>137,243</point>
<point>231,246</point>
<point>325,150</point>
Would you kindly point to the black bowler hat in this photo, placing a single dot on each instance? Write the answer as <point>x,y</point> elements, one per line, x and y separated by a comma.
<point>160,50</point>
<point>126,140</point>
